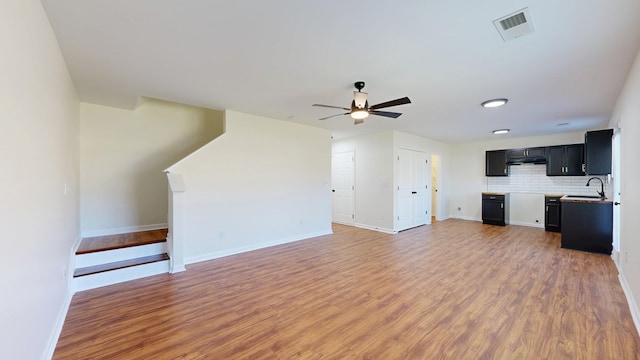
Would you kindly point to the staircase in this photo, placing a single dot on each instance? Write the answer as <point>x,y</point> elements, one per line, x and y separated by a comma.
<point>111,259</point>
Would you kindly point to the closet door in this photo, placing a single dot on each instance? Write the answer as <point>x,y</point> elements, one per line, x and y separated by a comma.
<point>413,197</point>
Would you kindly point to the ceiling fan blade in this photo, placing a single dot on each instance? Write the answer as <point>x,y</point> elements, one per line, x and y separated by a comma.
<point>358,121</point>
<point>328,117</point>
<point>332,107</point>
<point>396,102</point>
<point>390,114</point>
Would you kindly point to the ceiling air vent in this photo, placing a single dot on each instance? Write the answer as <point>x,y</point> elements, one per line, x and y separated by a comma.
<point>514,25</point>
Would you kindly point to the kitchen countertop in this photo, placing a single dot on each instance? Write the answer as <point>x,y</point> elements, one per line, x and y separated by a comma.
<point>576,198</point>
<point>554,195</point>
<point>493,193</point>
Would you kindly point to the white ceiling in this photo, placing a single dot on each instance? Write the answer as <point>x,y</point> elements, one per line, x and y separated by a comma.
<point>276,58</point>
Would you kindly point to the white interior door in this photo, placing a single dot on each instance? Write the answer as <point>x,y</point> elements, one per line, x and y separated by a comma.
<point>435,179</point>
<point>343,187</point>
<point>413,199</point>
<point>421,191</point>
<point>404,197</point>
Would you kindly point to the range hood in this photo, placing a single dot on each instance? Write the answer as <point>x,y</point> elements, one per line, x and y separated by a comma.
<point>527,160</point>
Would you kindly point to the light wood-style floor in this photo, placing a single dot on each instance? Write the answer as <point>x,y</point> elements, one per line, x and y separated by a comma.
<point>452,290</point>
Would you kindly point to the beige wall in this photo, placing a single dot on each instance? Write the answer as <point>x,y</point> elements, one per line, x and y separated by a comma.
<point>627,116</point>
<point>123,157</point>
<point>39,178</point>
<point>262,183</point>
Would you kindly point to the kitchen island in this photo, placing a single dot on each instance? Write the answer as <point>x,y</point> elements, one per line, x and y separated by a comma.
<point>587,224</point>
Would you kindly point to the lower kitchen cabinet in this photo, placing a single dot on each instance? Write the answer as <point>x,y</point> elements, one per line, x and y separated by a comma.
<point>495,208</point>
<point>587,226</point>
<point>552,213</point>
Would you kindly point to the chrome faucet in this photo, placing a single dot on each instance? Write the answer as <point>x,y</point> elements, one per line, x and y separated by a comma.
<point>601,192</point>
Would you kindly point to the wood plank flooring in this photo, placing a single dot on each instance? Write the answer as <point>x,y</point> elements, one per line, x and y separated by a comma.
<point>452,290</point>
<point>119,241</point>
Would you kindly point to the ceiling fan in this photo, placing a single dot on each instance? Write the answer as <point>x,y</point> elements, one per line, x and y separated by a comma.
<point>360,108</point>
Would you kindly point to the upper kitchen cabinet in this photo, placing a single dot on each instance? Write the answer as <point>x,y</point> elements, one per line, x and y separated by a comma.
<point>526,155</point>
<point>565,160</point>
<point>597,153</point>
<point>496,163</point>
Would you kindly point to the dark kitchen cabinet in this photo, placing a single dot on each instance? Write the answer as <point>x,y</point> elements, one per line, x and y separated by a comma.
<point>495,209</point>
<point>496,163</point>
<point>597,152</point>
<point>525,153</point>
<point>587,226</point>
<point>565,160</point>
<point>552,213</point>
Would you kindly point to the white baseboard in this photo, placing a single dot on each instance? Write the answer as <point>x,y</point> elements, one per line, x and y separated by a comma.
<point>519,223</point>
<point>633,305</point>
<point>57,330</point>
<point>461,217</point>
<point>123,230</point>
<point>615,255</point>
<point>343,223</point>
<point>234,251</point>
<point>375,228</point>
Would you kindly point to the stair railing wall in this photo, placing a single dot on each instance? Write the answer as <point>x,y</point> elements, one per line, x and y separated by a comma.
<point>175,240</point>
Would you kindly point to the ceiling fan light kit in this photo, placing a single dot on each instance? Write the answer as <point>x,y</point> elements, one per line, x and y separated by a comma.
<point>494,103</point>
<point>360,108</point>
<point>500,131</point>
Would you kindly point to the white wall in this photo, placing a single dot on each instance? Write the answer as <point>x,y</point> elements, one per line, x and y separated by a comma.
<point>39,159</point>
<point>468,178</point>
<point>263,182</point>
<point>124,154</point>
<point>374,178</point>
<point>431,147</point>
<point>375,154</point>
<point>627,116</point>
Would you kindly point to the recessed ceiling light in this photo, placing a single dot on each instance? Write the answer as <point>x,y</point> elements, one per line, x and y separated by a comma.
<point>494,103</point>
<point>500,131</point>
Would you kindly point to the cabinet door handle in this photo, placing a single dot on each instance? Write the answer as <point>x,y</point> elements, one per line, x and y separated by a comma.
<point>547,208</point>
<point>501,205</point>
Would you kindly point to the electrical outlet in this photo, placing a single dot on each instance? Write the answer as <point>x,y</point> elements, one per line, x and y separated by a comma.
<point>301,221</point>
<point>220,234</point>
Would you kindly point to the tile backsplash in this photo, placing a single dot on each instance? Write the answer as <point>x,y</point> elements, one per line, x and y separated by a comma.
<point>530,178</point>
